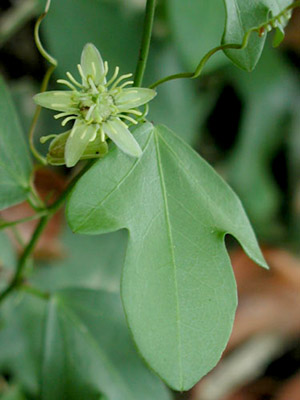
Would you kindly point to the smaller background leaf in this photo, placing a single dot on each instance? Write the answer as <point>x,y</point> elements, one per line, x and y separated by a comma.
<point>21,321</point>
<point>243,15</point>
<point>88,351</point>
<point>15,164</point>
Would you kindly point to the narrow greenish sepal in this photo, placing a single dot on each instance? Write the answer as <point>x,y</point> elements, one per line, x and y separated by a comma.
<point>118,132</point>
<point>77,141</point>
<point>92,64</point>
<point>45,139</point>
<point>58,100</point>
<point>134,97</point>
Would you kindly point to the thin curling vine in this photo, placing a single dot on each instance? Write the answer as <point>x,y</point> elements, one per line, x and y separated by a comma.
<point>53,65</point>
<point>277,22</point>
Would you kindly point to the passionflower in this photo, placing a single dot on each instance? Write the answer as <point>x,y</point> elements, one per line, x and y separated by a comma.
<point>100,109</point>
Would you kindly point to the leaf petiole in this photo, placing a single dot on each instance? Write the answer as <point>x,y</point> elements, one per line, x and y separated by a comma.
<point>7,224</point>
<point>35,291</point>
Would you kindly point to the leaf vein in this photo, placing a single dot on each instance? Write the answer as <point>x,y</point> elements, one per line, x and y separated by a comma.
<point>103,200</point>
<point>168,222</point>
<point>92,341</point>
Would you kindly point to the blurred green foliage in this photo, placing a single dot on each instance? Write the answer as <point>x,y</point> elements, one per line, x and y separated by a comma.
<point>269,125</point>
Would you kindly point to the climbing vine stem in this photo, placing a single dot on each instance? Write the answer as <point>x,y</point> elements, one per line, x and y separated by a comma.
<point>209,54</point>
<point>145,44</point>
<point>18,277</point>
<point>45,82</point>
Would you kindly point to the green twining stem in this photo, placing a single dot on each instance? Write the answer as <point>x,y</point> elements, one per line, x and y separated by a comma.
<point>8,224</point>
<point>37,39</point>
<point>145,44</point>
<point>17,280</point>
<point>45,82</point>
<point>210,53</point>
<point>35,292</point>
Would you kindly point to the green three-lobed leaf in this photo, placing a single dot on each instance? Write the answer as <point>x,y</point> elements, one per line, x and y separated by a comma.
<point>178,288</point>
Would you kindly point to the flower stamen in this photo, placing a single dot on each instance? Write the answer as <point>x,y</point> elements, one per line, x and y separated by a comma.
<point>73,80</point>
<point>121,78</point>
<point>126,84</point>
<point>67,83</point>
<point>116,73</point>
<point>134,112</point>
<point>105,68</point>
<point>92,85</point>
<point>44,139</point>
<point>66,120</point>
<point>60,115</point>
<point>83,77</point>
<point>133,121</point>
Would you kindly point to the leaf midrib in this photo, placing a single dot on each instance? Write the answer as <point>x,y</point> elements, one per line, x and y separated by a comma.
<point>170,237</point>
<point>103,200</point>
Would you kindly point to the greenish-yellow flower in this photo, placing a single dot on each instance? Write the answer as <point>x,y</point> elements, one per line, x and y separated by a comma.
<point>99,107</point>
